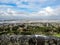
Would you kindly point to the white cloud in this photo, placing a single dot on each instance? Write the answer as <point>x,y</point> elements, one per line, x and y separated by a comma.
<point>46,11</point>
<point>49,11</point>
<point>6,10</point>
<point>30,5</point>
<point>9,11</point>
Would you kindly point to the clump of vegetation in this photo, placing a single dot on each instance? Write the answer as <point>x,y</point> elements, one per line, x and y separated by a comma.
<point>29,30</point>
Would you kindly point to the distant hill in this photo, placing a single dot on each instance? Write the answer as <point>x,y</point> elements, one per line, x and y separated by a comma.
<point>29,18</point>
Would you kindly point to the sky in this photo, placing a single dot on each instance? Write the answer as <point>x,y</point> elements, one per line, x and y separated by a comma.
<point>32,9</point>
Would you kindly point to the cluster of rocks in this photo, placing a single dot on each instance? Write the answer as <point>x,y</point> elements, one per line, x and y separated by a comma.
<point>28,40</point>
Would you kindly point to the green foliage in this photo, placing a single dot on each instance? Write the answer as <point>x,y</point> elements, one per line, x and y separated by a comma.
<point>26,33</point>
<point>29,30</point>
<point>58,29</point>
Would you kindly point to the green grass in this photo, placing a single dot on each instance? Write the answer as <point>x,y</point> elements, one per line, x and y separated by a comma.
<point>57,35</point>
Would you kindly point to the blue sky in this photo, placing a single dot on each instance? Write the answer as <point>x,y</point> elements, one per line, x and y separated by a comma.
<point>30,8</point>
